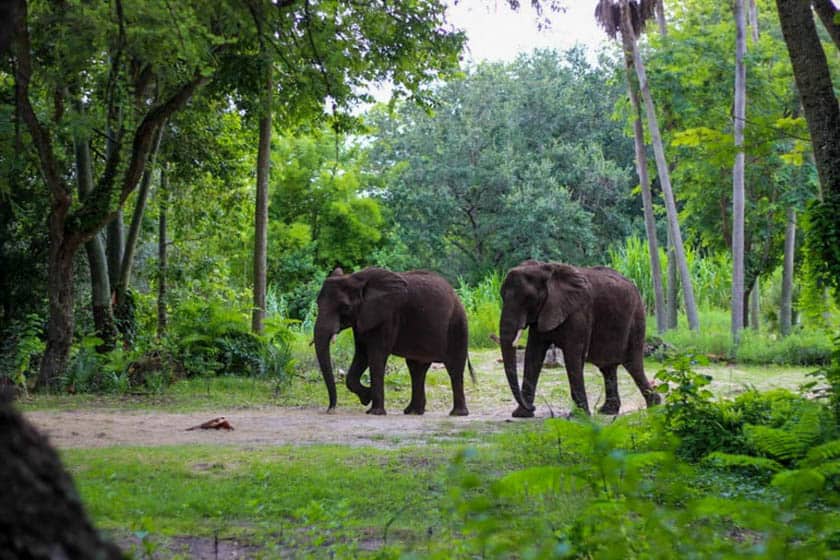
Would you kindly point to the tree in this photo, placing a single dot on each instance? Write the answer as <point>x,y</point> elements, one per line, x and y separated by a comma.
<point>627,38</point>
<point>822,112</point>
<point>739,118</point>
<point>515,163</point>
<point>632,16</point>
<point>86,38</point>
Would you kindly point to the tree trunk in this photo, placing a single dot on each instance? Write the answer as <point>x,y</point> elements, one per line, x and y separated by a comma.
<point>644,183</point>
<point>813,80</point>
<point>660,18</point>
<point>673,295</point>
<point>261,212</point>
<point>828,15</point>
<point>163,194</point>
<point>755,305</point>
<point>738,197</point>
<point>665,179</point>
<point>136,220</point>
<point>41,513</point>
<point>60,293</point>
<point>103,317</point>
<point>753,20</point>
<point>786,308</point>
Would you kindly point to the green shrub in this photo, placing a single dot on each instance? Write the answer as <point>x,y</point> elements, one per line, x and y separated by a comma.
<point>801,347</point>
<point>483,304</point>
<point>21,349</point>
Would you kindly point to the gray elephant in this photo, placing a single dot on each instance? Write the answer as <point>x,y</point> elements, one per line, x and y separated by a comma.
<point>591,314</point>
<point>415,315</point>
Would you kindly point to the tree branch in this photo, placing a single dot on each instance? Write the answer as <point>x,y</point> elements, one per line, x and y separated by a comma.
<point>827,12</point>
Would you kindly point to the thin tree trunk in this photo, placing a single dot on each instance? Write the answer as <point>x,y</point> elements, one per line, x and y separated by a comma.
<point>136,220</point>
<point>660,18</point>
<point>114,234</point>
<point>673,287</point>
<point>644,182</point>
<point>162,256</point>
<point>261,211</point>
<point>753,20</point>
<point>786,308</point>
<point>755,305</point>
<point>738,197</point>
<point>828,15</point>
<point>103,317</point>
<point>665,179</point>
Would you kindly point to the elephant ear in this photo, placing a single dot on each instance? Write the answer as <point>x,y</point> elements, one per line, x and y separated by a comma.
<point>383,292</point>
<point>567,291</point>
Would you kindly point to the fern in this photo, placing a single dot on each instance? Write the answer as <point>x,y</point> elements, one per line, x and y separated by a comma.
<point>822,453</point>
<point>789,443</point>
<point>763,465</point>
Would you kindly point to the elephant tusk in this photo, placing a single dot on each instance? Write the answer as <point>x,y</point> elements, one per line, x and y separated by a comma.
<point>333,338</point>
<point>516,338</point>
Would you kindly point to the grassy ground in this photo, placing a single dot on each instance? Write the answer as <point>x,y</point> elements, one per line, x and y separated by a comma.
<point>316,500</point>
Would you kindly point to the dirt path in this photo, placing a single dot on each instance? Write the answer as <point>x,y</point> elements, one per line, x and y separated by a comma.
<point>258,427</point>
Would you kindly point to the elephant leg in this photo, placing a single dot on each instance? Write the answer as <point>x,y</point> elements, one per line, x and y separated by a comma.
<point>612,404</point>
<point>636,367</point>
<point>535,352</point>
<point>354,375</point>
<point>376,361</point>
<point>418,386</point>
<point>456,377</point>
<point>574,370</point>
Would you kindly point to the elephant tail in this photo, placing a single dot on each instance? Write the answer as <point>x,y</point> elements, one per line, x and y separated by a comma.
<point>472,371</point>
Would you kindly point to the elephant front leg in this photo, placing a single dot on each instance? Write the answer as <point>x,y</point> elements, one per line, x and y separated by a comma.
<point>534,357</point>
<point>417,370</point>
<point>354,375</point>
<point>574,370</point>
<point>612,404</point>
<point>376,362</point>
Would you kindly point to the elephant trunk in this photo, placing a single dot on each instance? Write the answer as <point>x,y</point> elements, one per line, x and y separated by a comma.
<point>508,335</point>
<point>323,336</point>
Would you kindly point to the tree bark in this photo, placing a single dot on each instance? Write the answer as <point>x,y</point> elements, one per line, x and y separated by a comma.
<point>752,16</point>
<point>665,179</point>
<point>738,196</point>
<point>41,514</point>
<point>786,307</point>
<point>755,305</point>
<point>644,183</point>
<point>673,295</point>
<point>827,12</point>
<point>820,105</point>
<point>162,256</point>
<point>261,211</point>
<point>103,317</point>
<point>136,220</point>
<point>660,18</point>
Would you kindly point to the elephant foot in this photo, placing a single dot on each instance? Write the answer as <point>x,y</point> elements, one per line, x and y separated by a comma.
<point>610,408</point>
<point>462,411</point>
<point>521,412</point>
<point>376,411</point>
<point>653,398</point>
<point>411,409</point>
<point>365,396</point>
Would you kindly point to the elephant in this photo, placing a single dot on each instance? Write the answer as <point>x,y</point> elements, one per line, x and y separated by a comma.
<point>415,315</point>
<point>591,314</point>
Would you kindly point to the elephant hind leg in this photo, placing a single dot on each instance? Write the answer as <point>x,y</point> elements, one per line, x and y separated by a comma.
<point>455,367</point>
<point>636,367</point>
<point>418,386</point>
<point>612,403</point>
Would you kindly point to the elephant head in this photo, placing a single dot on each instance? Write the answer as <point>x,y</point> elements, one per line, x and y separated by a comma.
<point>362,301</point>
<point>539,296</point>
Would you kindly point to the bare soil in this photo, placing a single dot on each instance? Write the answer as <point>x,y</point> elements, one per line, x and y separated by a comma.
<point>489,401</point>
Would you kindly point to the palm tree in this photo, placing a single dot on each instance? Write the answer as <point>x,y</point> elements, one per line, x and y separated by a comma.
<point>627,18</point>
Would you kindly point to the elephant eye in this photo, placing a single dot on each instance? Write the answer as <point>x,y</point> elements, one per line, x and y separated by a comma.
<point>344,307</point>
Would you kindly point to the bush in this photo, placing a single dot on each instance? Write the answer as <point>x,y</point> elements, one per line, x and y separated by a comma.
<point>802,347</point>
<point>483,304</point>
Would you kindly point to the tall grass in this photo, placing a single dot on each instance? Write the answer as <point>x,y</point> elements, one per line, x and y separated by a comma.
<point>483,303</point>
<point>711,274</point>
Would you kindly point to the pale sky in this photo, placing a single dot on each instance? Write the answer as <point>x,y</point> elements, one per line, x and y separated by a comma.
<point>496,33</point>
